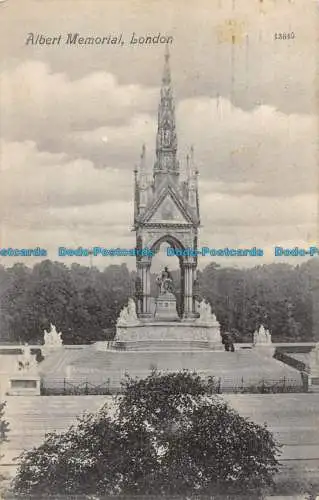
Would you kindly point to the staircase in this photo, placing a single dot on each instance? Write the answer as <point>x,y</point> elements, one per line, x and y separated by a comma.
<point>234,369</point>
<point>164,345</point>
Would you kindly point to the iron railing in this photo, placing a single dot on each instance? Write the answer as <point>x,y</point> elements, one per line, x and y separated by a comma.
<point>217,385</point>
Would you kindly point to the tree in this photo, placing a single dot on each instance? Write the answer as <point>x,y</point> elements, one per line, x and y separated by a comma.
<point>170,435</point>
<point>4,426</point>
<point>13,285</point>
<point>243,299</point>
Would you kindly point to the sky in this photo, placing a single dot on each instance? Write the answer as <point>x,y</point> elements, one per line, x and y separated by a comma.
<point>74,119</point>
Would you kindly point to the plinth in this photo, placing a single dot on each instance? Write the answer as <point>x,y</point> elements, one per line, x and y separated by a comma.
<point>168,335</point>
<point>23,384</point>
<point>165,307</point>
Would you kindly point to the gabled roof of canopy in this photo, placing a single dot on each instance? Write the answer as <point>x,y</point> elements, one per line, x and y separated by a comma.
<point>168,207</point>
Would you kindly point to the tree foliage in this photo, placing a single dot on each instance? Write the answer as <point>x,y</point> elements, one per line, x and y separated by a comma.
<point>169,435</point>
<point>80,301</point>
<point>4,426</point>
<point>83,301</point>
<point>279,296</point>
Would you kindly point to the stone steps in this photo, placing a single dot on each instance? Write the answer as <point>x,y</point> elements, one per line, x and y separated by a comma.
<point>241,368</point>
<point>203,360</point>
<point>57,360</point>
<point>165,345</point>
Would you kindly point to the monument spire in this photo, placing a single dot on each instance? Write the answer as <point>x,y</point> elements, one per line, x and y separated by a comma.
<point>166,139</point>
<point>166,80</point>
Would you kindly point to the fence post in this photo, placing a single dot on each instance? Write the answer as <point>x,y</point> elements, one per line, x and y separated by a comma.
<point>284,386</point>
<point>242,383</point>
<point>219,387</point>
<point>64,388</point>
<point>86,388</point>
<point>263,386</point>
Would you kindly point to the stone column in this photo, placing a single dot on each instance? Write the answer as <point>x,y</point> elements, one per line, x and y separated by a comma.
<point>182,288</point>
<point>143,268</point>
<point>138,292</point>
<point>188,290</point>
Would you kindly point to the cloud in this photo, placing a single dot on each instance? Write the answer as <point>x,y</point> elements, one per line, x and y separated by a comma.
<point>249,210</point>
<point>32,178</point>
<point>38,104</point>
<point>97,119</point>
<point>251,151</point>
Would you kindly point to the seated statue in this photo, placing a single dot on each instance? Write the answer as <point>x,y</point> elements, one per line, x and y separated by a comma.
<point>165,282</point>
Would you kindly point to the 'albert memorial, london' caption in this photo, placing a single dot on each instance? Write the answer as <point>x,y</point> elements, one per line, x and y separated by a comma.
<point>77,39</point>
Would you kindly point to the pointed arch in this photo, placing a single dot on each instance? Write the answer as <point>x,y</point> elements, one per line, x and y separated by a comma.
<point>172,240</point>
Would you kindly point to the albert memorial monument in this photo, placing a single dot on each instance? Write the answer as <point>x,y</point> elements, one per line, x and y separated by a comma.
<point>166,210</point>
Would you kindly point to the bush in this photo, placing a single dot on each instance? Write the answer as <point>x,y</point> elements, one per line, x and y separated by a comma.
<point>4,426</point>
<point>169,436</point>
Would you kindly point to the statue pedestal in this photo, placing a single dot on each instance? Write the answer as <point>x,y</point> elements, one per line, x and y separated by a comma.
<point>165,307</point>
<point>168,335</point>
<point>23,384</point>
<point>164,330</point>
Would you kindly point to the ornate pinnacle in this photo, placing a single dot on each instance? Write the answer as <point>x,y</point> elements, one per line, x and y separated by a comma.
<point>142,159</point>
<point>166,140</point>
<point>166,80</point>
<point>188,170</point>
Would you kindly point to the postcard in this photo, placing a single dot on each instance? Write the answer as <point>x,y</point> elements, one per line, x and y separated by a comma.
<point>159,276</point>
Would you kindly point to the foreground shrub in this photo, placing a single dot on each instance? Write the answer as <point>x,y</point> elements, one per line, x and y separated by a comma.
<point>169,435</point>
<point>4,428</point>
